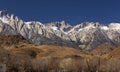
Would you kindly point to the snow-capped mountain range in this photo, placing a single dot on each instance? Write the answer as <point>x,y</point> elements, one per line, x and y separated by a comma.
<point>85,36</point>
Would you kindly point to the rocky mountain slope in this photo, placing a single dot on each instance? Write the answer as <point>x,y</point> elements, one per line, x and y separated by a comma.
<point>84,36</point>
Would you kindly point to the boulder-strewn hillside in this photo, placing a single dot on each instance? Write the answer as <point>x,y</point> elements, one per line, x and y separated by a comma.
<point>84,36</point>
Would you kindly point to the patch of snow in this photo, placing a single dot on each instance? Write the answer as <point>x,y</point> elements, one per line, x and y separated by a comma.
<point>80,29</point>
<point>54,28</point>
<point>104,28</point>
<point>115,26</point>
<point>110,37</point>
<point>11,16</point>
<point>4,20</point>
<point>33,22</point>
<point>7,16</point>
<point>27,22</point>
<point>89,26</point>
<point>39,23</point>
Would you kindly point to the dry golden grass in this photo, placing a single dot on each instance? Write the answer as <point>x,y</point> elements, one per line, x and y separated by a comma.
<point>52,57</point>
<point>21,56</point>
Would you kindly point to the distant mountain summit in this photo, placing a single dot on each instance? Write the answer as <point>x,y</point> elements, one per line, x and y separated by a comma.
<point>85,36</point>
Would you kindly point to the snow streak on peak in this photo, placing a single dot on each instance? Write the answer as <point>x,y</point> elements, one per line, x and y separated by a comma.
<point>54,28</point>
<point>33,24</point>
<point>27,22</point>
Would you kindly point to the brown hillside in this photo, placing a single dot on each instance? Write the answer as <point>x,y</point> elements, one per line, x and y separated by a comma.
<point>102,49</point>
<point>114,53</point>
<point>20,56</point>
<point>8,40</point>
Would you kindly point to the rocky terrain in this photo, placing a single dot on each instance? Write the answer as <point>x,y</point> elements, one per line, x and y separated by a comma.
<point>84,36</point>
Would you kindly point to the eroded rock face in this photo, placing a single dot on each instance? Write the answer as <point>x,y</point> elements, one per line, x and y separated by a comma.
<point>85,36</point>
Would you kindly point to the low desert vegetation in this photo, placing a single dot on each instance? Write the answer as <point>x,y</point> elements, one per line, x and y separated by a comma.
<point>20,56</point>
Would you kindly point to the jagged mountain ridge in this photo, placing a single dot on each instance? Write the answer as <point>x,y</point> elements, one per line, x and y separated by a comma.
<point>85,36</point>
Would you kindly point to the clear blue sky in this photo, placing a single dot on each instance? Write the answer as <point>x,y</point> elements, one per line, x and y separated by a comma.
<point>72,11</point>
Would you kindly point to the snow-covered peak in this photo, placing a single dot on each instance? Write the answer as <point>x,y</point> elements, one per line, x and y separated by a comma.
<point>5,17</point>
<point>6,14</point>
